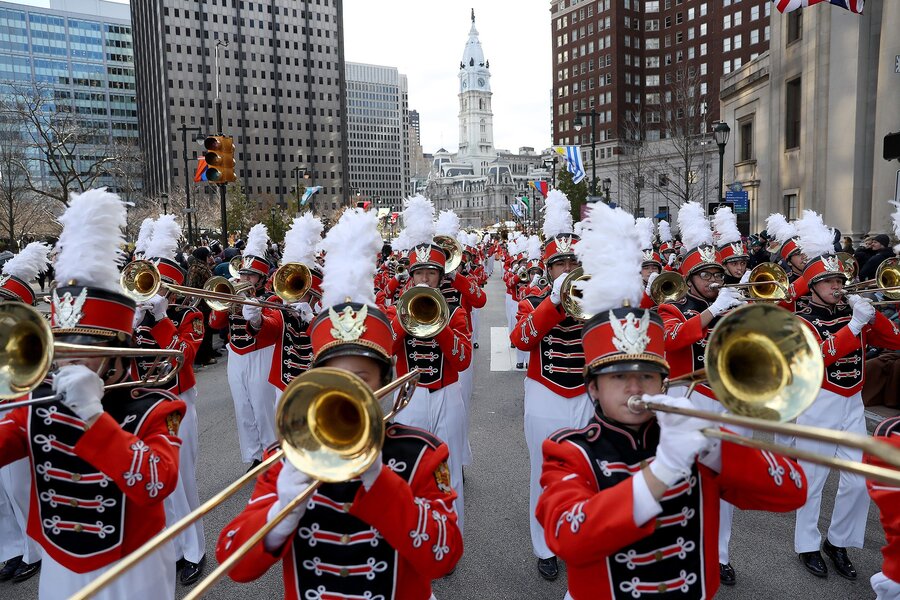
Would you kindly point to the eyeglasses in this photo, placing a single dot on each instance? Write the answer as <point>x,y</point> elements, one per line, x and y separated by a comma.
<point>710,276</point>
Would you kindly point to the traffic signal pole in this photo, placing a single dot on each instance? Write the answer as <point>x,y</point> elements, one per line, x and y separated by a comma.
<point>222,190</point>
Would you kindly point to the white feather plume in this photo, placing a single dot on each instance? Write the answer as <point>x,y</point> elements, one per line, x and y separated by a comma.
<point>447,223</point>
<point>694,226</point>
<point>486,239</point>
<point>779,228</point>
<point>164,242</point>
<point>461,236</point>
<point>725,223</point>
<point>665,232</point>
<point>610,253</point>
<point>895,222</point>
<point>29,262</point>
<point>401,242</point>
<point>351,248</point>
<point>645,230</point>
<point>257,241</point>
<point>816,238</point>
<point>517,245</point>
<point>473,239</point>
<point>418,219</point>
<point>534,248</point>
<point>144,235</point>
<point>577,228</point>
<point>302,239</point>
<point>90,245</point>
<point>557,215</point>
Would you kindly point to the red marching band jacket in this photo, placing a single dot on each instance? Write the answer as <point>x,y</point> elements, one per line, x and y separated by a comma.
<point>553,340</point>
<point>887,498</point>
<point>182,329</point>
<point>96,494</point>
<point>240,340</point>
<point>463,290</point>
<point>844,352</point>
<point>389,542</point>
<point>587,511</point>
<point>293,348</point>
<point>686,338</point>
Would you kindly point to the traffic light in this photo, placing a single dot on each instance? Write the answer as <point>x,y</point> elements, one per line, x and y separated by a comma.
<point>219,158</point>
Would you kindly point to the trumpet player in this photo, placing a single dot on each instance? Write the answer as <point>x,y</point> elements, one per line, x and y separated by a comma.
<point>162,323</point>
<point>103,461</point>
<point>732,251</point>
<point>844,331</point>
<point>554,386</point>
<point>388,533</point>
<point>630,499</point>
<point>249,359</point>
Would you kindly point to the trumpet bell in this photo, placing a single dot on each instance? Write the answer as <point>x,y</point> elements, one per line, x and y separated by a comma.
<point>330,424</point>
<point>763,362</point>
<point>140,280</point>
<point>423,312</point>
<point>570,295</point>
<point>452,249</point>
<point>26,350</point>
<point>888,276</point>
<point>291,282</point>
<point>669,287</point>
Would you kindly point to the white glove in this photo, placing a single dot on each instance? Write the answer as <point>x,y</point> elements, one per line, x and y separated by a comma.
<point>371,474</point>
<point>291,483</point>
<point>746,276</point>
<point>535,279</point>
<point>728,298</point>
<point>557,287</point>
<point>402,277</point>
<point>158,306</point>
<point>863,313</point>
<point>680,440</point>
<point>252,313</point>
<point>650,282</point>
<point>81,390</point>
<point>139,314</point>
<point>304,310</point>
<point>671,260</point>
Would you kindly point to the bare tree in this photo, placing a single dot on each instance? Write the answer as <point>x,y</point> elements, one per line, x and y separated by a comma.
<point>21,211</point>
<point>634,161</point>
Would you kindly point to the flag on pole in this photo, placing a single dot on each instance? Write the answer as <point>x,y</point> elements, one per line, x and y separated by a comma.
<point>854,6</point>
<point>540,186</point>
<point>516,210</point>
<point>525,200</point>
<point>572,156</point>
<point>308,194</point>
<point>200,173</point>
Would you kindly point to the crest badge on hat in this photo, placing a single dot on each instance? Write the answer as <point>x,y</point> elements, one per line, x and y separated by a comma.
<point>630,336</point>
<point>707,254</point>
<point>832,264</point>
<point>68,310</point>
<point>423,253</point>
<point>564,244</point>
<point>4,279</point>
<point>348,325</point>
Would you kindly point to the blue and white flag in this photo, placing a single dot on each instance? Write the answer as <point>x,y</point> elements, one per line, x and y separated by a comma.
<point>516,209</point>
<point>572,156</point>
<point>309,194</point>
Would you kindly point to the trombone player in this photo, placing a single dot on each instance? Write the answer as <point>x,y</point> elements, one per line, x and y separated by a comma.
<point>388,533</point>
<point>103,461</point>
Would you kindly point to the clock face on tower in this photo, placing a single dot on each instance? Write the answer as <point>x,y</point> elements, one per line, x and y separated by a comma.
<point>465,84</point>
<point>481,82</point>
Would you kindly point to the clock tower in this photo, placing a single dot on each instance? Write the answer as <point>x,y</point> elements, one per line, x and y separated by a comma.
<point>476,129</point>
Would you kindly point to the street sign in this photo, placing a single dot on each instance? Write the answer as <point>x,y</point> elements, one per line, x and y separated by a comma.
<point>741,201</point>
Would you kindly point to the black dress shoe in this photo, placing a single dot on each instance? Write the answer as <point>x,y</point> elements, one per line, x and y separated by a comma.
<point>254,464</point>
<point>192,571</point>
<point>26,571</point>
<point>475,345</point>
<point>511,345</point>
<point>814,563</point>
<point>179,564</point>
<point>548,568</point>
<point>520,366</point>
<point>839,559</point>
<point>726,574</point>
<point>9,568</point>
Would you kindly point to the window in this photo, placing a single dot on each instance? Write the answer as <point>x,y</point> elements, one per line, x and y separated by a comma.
<point>754,13</point>
<point>738,18</point>
<point>794,26</point>
<point>726,44</point>
<point>792,103</point>
<point>754,36</point>
<point>791,207</point>
<point>726,22</point>
<point>746,140</point>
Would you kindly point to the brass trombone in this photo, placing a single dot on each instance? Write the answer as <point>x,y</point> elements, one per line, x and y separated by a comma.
<point>423,312</point>
<point>452,249</point>
<point>848,264</point>
<point>570,295</point>
<point>140,280</point>
<point>331,428</point>
<point>768,283</point>
<point>234,266</point>
<point>668,287</point>
<point>291,282</point>
<point>29,351</point>
<point>766,368</point>
<point>886,281</point>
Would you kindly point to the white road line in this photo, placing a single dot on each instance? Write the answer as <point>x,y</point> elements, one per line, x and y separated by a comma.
<point>502,356</point>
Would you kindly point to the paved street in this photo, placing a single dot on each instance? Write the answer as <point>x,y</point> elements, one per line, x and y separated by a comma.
<point>498,563</point>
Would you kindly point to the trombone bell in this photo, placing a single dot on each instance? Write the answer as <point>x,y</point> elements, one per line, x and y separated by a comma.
<point>234,266</point>
<point>888,278</point>
<point>570,295</point>
<point>291,282</point>
<point>452,249</point>
<point>140,280</point>
<point>669,287</point>
<point>423,312</point>
<point>26,353</point>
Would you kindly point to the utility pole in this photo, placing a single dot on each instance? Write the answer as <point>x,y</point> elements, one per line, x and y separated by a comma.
<point>220,126</point>
<point>184,129</point>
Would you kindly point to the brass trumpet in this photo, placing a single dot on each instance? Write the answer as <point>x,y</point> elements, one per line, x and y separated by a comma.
<point>452,249</point>
<point>766,367</point>
<point>28,353</point>
<point>423,312</point>
<point>668,287</point>
<point>329,422</point>
<point>570,295</point>
<point>768,283</point>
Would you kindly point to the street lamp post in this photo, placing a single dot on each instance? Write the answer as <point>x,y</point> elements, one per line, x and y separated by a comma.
<point>298,173</point>
<point>184,129</point>
<point>578,125</point>
<point>165,203</point>
<point>721,131</point>
<point>607,184</point>
<point>552,163</point>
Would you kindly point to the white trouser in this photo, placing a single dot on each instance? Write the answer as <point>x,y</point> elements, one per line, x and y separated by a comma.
<point>884,588</point>
<point>254,401</point>
<point>153,578</point>
<point>512,309</point>
<point>476,324</point>
<point>441,413</point>
<point>851,505</point>
<point>191,542</point>
<point>489,266</point>
<point>545,413</point>
<point>726,509</point>
<point>466,381</point>
<point>15,499</point>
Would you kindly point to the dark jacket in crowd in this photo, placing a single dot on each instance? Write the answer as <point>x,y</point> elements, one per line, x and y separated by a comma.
<point>867,270</point>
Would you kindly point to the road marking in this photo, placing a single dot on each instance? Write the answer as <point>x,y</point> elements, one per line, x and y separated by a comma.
<point>502,356</point>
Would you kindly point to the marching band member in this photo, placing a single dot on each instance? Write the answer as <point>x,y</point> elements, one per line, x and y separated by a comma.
<point>473,268</point>
<point>688,324</point>
<point>666,245</point>
<point>627,528</point>
<point>732,251</point>
<point>436,406</point>
<point>786,234</point>
<point>21,553</point>
<point>288,330</point>
<point>554,385</point>
<point>652,264</point>
<point>249,360</point>
<point>886,583</point>
<point>103,461</point>
<point>162,323</point>
<point>398,514</point>
<point>394,286</point>
<point>844,330</point>
<point>535,268</point>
